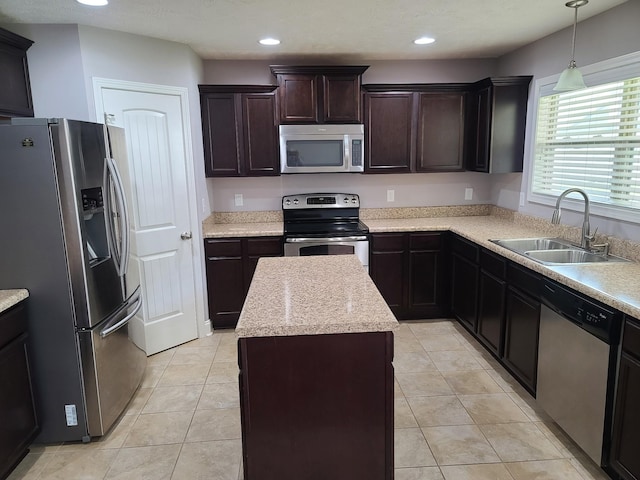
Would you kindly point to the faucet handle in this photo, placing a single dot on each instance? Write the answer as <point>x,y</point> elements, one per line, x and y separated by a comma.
<point>592,236</point>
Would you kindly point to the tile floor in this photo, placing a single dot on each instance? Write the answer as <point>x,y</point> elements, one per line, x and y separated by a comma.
<point>458,416</point>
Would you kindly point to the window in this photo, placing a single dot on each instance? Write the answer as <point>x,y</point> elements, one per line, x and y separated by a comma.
<point>590,139</point>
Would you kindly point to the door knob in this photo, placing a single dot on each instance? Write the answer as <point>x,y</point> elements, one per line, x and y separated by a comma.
<point>185,235</point>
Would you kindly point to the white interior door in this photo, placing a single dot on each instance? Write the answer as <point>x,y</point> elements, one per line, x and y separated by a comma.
<point>161,243</point>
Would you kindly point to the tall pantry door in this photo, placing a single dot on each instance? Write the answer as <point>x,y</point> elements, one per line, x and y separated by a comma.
<point>161,243</point>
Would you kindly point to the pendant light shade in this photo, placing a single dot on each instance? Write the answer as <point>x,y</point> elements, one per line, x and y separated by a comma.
<point>571,78</point>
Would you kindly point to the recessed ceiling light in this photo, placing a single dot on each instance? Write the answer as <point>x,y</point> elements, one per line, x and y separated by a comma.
<point>94,3</point>
<point>424,40</point>
<point>269,41</point>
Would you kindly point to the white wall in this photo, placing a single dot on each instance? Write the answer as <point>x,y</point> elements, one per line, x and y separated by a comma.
<point>423,189</point>
<point>611,34</point>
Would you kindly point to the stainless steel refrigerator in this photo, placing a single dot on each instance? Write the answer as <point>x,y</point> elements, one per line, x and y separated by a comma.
<point>64,237</point>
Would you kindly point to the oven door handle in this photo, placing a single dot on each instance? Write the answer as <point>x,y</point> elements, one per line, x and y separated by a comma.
<point>356,238</point>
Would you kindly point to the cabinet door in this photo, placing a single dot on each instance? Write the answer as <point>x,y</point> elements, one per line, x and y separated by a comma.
<point>298,98</point>
<point>341,98</point>
<point>480,130</point>
<point>389,132</point>
<point>225,281</point>
<point>464,291</point>
<point>440,145</point>
<point>15,94</point>
<point>427,286</point>
<point>626,424</point>
<point>222,134</point>
<point>491,311</point>
<point>522,324</point>
<point>260,134</point>
<point>387,268</point>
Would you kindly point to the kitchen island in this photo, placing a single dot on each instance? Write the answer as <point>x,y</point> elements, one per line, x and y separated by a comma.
<point>316,380</point>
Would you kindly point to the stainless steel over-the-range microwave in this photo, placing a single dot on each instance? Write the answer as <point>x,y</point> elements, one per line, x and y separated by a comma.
<point>321,148</point>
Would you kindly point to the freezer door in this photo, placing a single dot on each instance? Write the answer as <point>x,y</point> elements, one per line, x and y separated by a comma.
<point>80,153</point>
<point>112,367</point>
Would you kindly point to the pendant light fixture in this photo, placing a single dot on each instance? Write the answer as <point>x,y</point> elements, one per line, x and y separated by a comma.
<point>571,78</point>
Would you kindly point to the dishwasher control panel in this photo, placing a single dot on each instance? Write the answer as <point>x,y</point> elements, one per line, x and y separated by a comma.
<point>593,316</point>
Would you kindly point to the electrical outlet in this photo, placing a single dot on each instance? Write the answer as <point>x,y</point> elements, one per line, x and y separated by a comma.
<point>391,195</point>
<point>239,201</point>
<point>522,199</point>
<point>468,193</point>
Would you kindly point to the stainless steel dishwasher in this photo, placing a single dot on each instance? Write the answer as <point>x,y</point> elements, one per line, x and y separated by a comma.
<point>576,366</point>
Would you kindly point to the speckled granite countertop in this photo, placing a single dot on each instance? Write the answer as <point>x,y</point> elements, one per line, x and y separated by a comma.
<point>614,284</point>
<point>8,298</point>
<point>313,296</point>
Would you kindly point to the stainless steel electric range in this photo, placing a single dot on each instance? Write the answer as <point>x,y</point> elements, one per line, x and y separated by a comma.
<point>324,224</point>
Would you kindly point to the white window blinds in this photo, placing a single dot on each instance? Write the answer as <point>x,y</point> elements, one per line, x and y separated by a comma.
<point>590,139</point>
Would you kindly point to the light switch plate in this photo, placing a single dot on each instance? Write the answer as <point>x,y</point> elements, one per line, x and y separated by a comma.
<point>522,199</point>
<point>239,201</point>
<point>468,193</point>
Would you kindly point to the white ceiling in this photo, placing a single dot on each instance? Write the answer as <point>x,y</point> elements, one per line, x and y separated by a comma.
<point>328,29</point>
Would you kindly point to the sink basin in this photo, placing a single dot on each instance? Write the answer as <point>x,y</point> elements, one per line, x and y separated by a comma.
<point>568,256</point>
<point>525,244</point>
<point>554,251</point>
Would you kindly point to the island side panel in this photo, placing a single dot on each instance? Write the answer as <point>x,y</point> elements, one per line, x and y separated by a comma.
<point>317,406</point>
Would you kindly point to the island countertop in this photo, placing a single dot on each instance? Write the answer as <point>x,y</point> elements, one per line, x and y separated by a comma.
<point>9,298</point>
<point>313,296</point>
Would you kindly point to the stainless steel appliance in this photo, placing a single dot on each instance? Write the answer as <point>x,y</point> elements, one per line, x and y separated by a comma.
<point>324,224</point>
<point>576,366</point>
<point>65,239</point>
<point>321,148</point>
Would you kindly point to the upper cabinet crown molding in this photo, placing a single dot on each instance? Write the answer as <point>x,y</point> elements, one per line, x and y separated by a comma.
<point>15,91</point>
<point>236,88</point>
<point>416,87</point>
<point>319,93</point>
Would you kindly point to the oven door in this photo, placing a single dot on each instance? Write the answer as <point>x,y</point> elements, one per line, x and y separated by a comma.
<point>357,245</point>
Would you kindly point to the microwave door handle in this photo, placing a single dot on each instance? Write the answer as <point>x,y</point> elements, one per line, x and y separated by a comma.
<point>347,153</point>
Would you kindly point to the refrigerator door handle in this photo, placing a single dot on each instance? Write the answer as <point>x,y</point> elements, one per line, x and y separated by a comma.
<point>123,248</point>
<point>109,213</point>
<point>134,301</point>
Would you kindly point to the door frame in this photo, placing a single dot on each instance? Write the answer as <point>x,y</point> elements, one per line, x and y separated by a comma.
<point>202,321</point>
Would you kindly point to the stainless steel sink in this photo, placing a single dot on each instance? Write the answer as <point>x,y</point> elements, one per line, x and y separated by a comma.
<point>526,244</point>
<point>556,257</point>
<point>554,251</point>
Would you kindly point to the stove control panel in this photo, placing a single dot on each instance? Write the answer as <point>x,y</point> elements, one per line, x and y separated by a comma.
<point>321,200</point>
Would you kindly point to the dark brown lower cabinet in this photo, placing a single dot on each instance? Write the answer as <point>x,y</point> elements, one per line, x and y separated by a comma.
<point>410,271</point>
<point>19,422</point>
<point>625,451</point>
<point>317,406</point>
<point>464,291</point>
<point>491,303</point>
<point>230,263</point>
<point>521,337</point>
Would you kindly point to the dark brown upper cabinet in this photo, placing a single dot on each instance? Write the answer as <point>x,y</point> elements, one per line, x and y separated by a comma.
<point>239,130</point>
<point>496,118</point>
<point>318,93</point>
<point>15,90</point>
<point>414,127</point>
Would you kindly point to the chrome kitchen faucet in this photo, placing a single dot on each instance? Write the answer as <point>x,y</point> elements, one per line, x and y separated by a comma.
<point>587,237</point>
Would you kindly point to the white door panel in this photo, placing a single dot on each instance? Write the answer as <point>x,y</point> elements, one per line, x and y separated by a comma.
<point>159,204</point>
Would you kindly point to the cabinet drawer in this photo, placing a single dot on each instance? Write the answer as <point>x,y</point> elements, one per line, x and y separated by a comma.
<point>387,242</point>
<point>425,241</point>
<point>271,246</point>
<point>493,264</point>
<point>13,322</point>
<point>631,339</point>
<point>525,280</point>
<point>223,248</point>
<point>465,249</point>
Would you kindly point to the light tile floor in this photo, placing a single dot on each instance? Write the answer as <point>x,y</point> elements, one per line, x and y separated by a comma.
<point>458,416</point>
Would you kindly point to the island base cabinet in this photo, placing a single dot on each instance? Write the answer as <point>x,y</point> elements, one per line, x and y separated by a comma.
<point>317,406</point>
